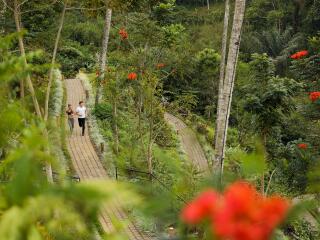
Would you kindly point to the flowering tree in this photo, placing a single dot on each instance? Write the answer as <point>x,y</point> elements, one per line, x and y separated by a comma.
<point>240,213</point>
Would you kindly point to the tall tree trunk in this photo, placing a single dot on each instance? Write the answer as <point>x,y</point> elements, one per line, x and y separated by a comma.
<point>16,14</point>
<point>104,52</point>
<point>53,60</point>
<point>224,112</point>
<point>222,68</point>
<point>18,27</point>
<point>208,4</point>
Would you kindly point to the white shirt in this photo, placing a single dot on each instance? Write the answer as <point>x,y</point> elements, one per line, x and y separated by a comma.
<point>81,111</point>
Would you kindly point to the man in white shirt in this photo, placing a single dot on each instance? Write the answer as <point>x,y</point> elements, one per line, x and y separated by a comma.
<point>82,113</point>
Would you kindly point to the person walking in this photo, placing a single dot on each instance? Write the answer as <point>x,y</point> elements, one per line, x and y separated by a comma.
<point>70,114</point>
<point>82,112</point>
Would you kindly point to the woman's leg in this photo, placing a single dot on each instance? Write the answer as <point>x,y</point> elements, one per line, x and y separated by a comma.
<point>70,124</point>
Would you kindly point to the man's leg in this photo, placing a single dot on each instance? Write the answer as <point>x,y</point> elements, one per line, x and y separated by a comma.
<point>80,122</point>
<point>83,126</point>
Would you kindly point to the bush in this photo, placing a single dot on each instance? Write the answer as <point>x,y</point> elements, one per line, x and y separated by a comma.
<point>103,111</point>
<point>72,58</point>
<point>301,230</point>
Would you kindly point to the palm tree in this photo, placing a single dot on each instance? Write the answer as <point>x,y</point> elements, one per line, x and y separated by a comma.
<point>277,45</point>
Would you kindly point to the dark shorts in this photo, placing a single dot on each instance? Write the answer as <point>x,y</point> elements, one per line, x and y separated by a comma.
<point>82,122</point>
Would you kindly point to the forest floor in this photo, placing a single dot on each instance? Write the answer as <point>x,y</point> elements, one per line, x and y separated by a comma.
<point>88,166</point>
<point>189,143</point>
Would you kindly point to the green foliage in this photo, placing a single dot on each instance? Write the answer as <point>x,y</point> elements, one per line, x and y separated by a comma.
<point>264,14</point>
<point>254,163</point>
<point>103,111</point>
<point>173,33</point>
<point>300,229</point>
<point>72,59</point>
<point>208,60</point>
<point>163,12</point>
<point>185,102</point>
<point>314,42</point>
<point>272,97</point>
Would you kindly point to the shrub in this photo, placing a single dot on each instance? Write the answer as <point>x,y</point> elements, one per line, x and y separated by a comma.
<point>103,111</point>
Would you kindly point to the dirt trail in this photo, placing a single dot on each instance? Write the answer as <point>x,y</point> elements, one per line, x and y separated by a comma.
<point>88,166</point>
<point>189,142</point>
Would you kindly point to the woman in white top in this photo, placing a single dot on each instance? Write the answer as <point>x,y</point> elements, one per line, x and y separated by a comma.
<point>82,112</point>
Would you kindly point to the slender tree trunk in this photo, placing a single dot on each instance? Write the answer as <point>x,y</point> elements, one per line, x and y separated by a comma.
<point>150,143</point>
<point>115,125</point>
<point>224,111</point>
<point>29,82</point>
<point>208,4</point>
<point>264,136</point>
<point>48,164</point>
<point>18,25</point>
<point>104,52</point>
<point>16,14</point>
<point>3,19</point>
<point>222,68</point>
<point>53,60</point>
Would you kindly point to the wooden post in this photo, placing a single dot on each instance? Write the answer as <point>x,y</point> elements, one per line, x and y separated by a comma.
<point>87,94</point>
<point>102,147</point>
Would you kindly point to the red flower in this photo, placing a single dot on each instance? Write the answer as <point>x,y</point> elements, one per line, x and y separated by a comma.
<point>132,76</point>
<point>314,96</point>
<point>241,213</point>
<point>299,54</point>
<point>160,65</point>
<point>123,33</point>
<point>97,73</point>
<point>200,208</point>
<point>302,146</point>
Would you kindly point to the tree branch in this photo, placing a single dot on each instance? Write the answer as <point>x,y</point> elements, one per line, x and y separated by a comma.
<point>88,9</point>
<point>6,4</point>
<point>41,8</point>
<point>19,5</point>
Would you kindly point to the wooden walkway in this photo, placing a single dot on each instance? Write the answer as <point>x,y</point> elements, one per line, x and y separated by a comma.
<point>189,142</point>
<point>88,166</point>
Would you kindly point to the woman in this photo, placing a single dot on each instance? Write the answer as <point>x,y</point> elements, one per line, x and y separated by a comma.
<point>70,114</point>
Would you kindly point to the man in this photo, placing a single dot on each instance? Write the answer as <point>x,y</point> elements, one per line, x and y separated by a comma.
<point>82,112</point>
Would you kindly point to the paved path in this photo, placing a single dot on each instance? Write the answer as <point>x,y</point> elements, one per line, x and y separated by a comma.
<point>88,166</point>
<point>189,142</point>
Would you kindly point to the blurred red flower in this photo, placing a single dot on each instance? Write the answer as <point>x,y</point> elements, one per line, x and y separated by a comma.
<point>302,146</point>
<point>132,76</point>
<point>123,33</point>
<point>241,213</point>
<point>160,65</point>
<point>200,208</point>
<point>314,96</point>
<point>299,54</point>
<point>97,73</point>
